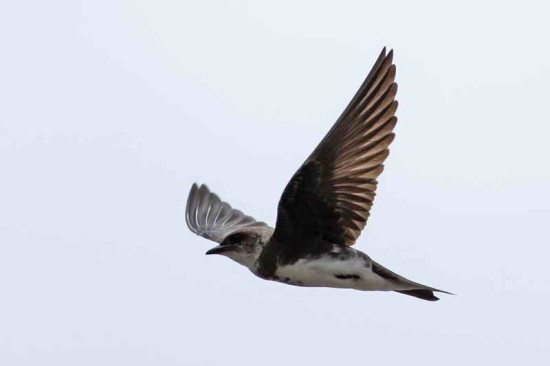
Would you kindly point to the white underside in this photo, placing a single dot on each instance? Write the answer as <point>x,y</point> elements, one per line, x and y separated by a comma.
<point>322,273</point>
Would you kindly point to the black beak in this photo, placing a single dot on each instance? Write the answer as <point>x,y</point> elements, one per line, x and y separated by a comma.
<point>219,249</point>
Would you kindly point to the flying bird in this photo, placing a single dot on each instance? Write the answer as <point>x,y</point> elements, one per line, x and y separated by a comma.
<point>323,208</point>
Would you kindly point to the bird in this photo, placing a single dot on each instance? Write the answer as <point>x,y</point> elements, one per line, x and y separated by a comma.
<point>323,208</point>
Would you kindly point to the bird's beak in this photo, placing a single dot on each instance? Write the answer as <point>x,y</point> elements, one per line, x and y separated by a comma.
<point>219,249</point>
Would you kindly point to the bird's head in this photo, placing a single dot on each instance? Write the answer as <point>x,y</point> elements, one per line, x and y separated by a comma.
<point>244,247</point>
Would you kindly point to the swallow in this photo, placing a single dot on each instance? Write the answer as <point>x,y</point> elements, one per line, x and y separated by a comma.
<point>323,208</point>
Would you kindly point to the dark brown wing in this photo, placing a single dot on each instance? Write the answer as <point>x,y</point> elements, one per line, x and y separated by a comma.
<point>330,196</point>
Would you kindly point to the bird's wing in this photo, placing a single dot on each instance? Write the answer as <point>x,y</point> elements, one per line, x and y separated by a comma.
<point>330,196</point>
<point>208,216</point>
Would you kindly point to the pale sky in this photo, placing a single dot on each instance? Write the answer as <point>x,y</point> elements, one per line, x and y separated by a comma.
<point>112,109</point>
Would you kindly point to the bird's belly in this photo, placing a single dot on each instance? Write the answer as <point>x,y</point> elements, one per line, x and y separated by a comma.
<point>355,273</point>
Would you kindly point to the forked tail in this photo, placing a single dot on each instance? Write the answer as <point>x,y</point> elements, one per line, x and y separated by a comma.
<point>418,290</point>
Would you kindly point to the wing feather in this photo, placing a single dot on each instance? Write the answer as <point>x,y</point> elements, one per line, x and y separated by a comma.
<point>210,217</point>
<point>331,195</point>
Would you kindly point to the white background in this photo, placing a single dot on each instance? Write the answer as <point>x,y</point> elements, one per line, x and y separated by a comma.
<point>110,110</point>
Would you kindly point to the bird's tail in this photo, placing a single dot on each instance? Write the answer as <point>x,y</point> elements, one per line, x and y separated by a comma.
<point>421,294</point>
<point>416,289</point>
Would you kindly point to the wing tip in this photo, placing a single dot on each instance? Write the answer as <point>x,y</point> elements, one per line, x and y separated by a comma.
<point>198,186</point>
<point>385,53</point>
<point>197,194</point>
<point>192,202</point>
<point>204,188</point>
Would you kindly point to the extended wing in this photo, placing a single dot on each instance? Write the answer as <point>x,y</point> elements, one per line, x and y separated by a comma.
<point>208,216</point>
<point>330,196</point>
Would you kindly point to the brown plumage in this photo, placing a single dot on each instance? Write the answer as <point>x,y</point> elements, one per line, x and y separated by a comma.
<point>324,207</point>
<point>332,193</point>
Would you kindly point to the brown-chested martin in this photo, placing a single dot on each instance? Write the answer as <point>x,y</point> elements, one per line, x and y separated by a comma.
<point>323,208</point>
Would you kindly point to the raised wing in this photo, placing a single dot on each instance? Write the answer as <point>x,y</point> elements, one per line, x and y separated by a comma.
<point>330,196</point>
<point>208,216</point>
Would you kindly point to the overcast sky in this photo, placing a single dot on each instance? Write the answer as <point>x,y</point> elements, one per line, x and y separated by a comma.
<point>110,110</point>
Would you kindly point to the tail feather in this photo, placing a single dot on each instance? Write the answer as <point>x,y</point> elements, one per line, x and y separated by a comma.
<point>416,289</point>
<point>421,294</point>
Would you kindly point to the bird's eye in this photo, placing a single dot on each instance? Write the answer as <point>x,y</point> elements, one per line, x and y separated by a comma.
<point>233,239</point>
